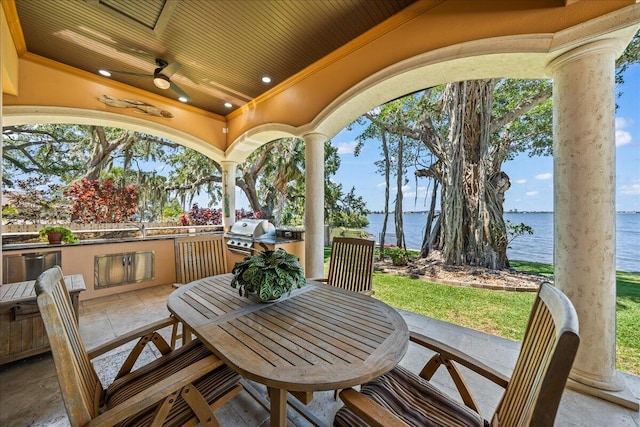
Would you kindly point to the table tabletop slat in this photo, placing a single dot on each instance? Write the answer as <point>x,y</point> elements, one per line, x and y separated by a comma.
<point>319,338</point>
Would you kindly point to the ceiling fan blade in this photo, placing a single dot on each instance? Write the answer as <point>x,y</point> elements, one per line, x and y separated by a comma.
<point>174,87</point>
<point>129,73</point>
<point>170,69</point>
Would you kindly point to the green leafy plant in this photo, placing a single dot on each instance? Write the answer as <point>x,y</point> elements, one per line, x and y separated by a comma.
<point>67,234</point>
<point>516,230</point>
<point>398,256</point>
<point>268,274</point>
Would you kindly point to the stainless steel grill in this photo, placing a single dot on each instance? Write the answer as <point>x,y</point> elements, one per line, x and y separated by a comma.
<point>243,234</point>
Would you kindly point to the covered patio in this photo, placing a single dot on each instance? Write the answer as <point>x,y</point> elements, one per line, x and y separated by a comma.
<point>49,75</point>
<point>29,392</point>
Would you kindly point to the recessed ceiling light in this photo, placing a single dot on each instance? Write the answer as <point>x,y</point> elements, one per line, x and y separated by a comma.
<point>266,79</point>
<point>228,104</point>
<point>104,73</point>
<point>182,99</point>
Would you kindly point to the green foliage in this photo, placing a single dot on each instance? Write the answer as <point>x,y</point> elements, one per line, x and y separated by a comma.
<point>67,234</point>
<point>44,150</point>
<point>268,274</point>
<point>9,211</point>
<point>399,256</point>
<point>37,199</point>
<point>630,56</point>
<point>516,230</point>
<point>68,153</point>
<point>171,211</point>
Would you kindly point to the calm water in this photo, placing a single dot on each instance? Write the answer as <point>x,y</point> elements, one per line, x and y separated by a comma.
<point>536,247</point>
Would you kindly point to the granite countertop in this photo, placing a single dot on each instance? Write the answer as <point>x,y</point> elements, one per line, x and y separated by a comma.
<point>272,240</point>
<point>43,245</point>
<point>268,240</point>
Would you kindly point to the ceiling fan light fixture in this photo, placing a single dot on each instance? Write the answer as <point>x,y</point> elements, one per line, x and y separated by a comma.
<point>104,73</point>
<point>183,99</point>
<point>161,81</point>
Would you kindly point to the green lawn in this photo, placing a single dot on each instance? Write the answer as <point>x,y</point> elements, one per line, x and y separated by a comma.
<point>506,313</point>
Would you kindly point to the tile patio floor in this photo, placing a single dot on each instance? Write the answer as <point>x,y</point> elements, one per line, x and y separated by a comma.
<point>30,396</point>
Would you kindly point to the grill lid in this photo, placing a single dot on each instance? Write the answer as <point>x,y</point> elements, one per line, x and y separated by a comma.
<point>252,228</point>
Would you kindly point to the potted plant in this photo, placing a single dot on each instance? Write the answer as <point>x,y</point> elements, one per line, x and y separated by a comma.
<point>268,275</point>
<point>55,235</point>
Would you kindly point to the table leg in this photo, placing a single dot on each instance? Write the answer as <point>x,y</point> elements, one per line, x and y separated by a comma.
<point>278,410</point>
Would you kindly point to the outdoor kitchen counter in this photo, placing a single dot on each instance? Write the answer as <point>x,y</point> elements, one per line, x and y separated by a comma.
<point>96,261</point>
<point>44,245</point>
<point>272,240</point>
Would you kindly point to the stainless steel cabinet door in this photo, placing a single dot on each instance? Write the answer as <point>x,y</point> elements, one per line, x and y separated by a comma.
<point>111,270</point>
<point>123,268</point>
<point>141,267</point>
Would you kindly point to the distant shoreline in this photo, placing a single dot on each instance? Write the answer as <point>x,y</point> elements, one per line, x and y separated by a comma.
<point>510,211</point>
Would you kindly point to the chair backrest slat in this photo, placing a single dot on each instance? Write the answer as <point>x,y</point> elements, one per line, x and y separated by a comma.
<point>351,264</point>
<point>540,374</point>
<point>79,383</point>
<point>200,256</point>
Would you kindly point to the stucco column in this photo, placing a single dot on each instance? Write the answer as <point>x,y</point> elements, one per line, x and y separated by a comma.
<point>314,204</point>
<point>228,194</point>
<point>584,203</point>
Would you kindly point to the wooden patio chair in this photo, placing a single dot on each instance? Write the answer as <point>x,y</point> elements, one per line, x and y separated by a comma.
<point>197,257</point>
<point>351,264</point>
<point>200,256</point>
<point>182,387</point>
<point>531,396</point>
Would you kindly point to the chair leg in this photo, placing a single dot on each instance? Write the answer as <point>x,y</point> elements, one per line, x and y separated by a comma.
<point>185,335</point>
<point>175,335</point>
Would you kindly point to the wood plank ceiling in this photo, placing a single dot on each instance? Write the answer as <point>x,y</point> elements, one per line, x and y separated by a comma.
<point>224,47</point>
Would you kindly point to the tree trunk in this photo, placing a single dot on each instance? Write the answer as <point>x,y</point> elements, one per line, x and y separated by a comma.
<point>427,242</point>
<point>102,149</point>
<point>398,211</point>
<point>473,231</point>
<point>387,179</point>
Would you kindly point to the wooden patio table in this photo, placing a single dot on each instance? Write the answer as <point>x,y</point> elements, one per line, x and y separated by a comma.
<point>318,338</point>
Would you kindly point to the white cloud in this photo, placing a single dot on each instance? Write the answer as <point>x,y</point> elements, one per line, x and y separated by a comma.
<point>532,193</point>
<point>521,181</point>
<point>347,147</point>
<point>381,185</point>
<point>405,189</point>
<point>630,190</point>
<point>623,122</point>
<point>623,137</point>
<point>543,176</point>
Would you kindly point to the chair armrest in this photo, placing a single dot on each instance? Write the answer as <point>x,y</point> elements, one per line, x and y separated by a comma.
<point>369,411</point>
<point>157,392</point>
<point>463,359</point>
<point>130,336</point>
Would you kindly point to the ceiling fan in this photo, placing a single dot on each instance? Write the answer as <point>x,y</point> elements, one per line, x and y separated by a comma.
<point>161,77</point>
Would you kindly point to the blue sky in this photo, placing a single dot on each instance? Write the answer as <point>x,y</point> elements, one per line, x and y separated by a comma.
<point>531,177</point>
